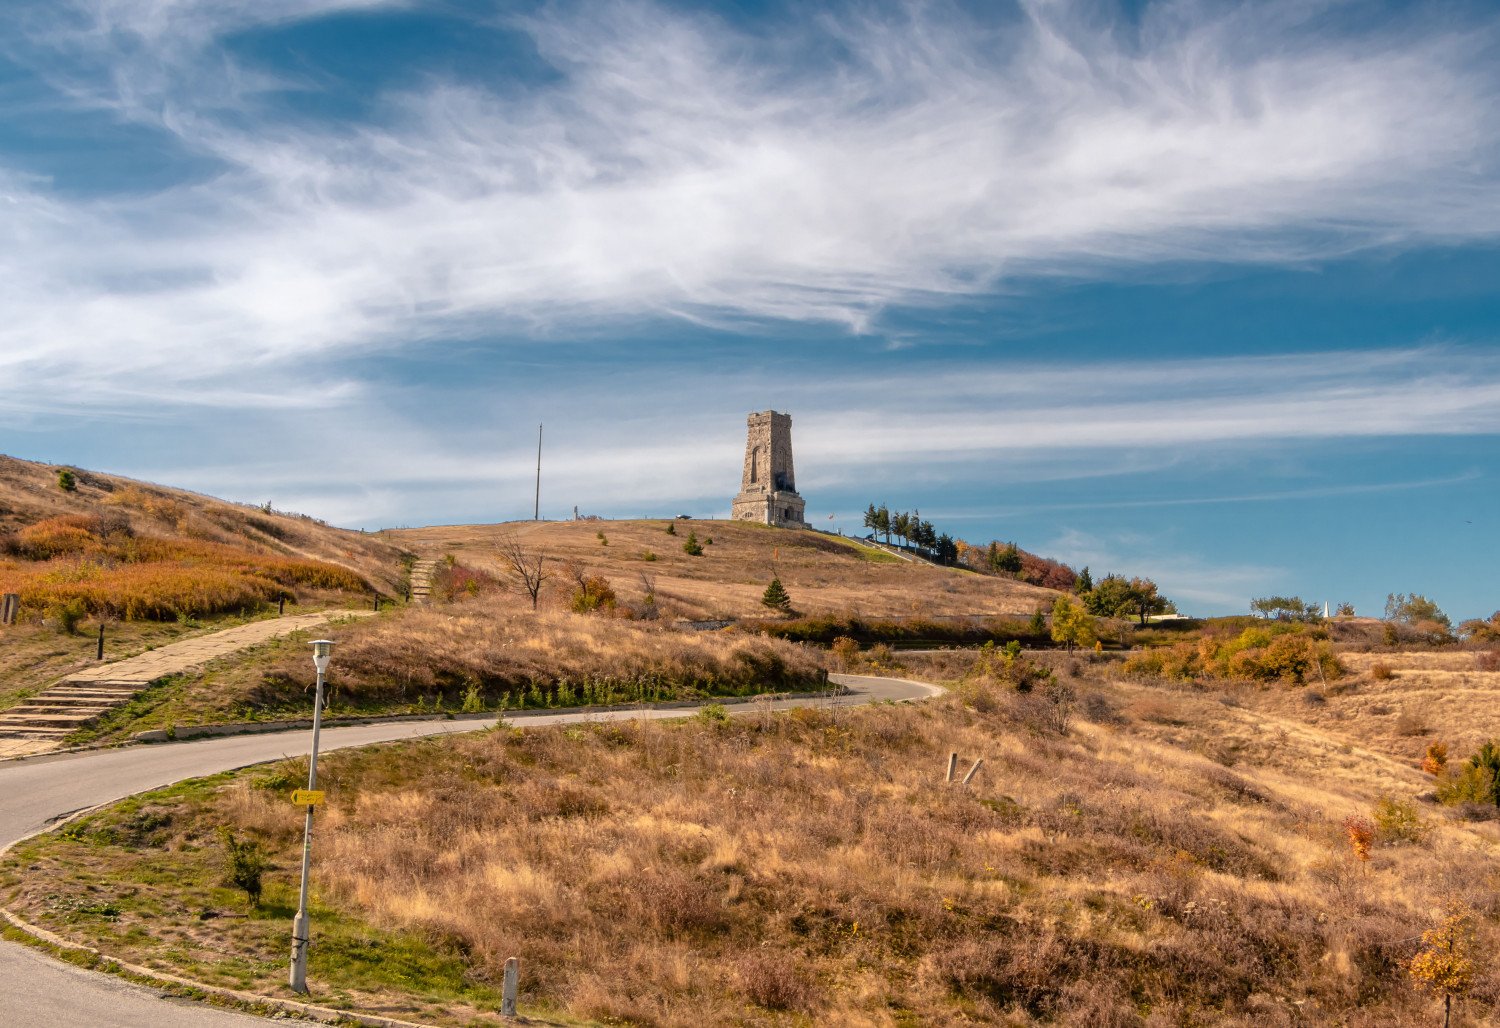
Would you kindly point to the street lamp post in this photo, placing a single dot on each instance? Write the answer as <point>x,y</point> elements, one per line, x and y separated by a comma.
<point>322,653</point>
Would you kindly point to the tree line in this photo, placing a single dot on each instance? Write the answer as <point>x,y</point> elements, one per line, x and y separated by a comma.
<point>912,530</point>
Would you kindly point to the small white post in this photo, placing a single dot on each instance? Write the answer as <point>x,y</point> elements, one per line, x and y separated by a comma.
<point>952,765</point>
<point>973,771</point>
<point>508,992</point>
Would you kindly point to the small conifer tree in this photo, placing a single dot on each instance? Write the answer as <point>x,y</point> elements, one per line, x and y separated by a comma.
<point>691,547</point>
<point>66,480</point>
<point>776,597</point>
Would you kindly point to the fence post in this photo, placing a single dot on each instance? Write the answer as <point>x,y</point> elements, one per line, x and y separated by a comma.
<point>100,654</point>
<point>952,766</point>
<point>973,771</point>
<point>508,993</point>
<point>10,605</point>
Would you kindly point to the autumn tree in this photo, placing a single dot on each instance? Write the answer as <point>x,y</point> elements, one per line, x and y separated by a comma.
<point>1071,623</point>
<point>1445,965</point>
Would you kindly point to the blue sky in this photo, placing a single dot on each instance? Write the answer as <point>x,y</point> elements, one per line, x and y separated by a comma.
<point>1203,291</point>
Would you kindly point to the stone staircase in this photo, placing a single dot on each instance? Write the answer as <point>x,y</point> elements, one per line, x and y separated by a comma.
<point>421,579</point>
<point>64,708</point>
<point>39,723</point>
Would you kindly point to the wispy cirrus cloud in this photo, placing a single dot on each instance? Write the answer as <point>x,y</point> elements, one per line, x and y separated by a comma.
<point>675,165</point>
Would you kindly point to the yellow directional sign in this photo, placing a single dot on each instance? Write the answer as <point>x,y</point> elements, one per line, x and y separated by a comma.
<point>307,797</point>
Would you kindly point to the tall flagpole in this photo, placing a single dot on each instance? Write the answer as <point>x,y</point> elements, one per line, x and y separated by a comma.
<point>536,511</point>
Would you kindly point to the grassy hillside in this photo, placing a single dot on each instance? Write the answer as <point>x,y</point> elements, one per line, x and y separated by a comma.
<point>29,494</point>
<point>1130,854</point>
<point>823,573</point>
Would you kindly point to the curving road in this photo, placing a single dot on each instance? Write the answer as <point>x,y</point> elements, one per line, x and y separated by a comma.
<point>38,992</point>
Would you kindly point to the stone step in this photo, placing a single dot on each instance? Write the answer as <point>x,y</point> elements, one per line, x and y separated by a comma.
<point>47,720</point>
<point>86,694</point>
<point>65,703</point>
<point>111,689</point>
<point>34,733</point>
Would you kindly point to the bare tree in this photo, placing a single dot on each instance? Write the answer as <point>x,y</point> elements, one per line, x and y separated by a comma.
<point>526,564</point>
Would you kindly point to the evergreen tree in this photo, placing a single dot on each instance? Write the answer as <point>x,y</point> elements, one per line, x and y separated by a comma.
<point>871,518</point>
<point>1010,559</point>
<point>883,521</point>
<point>1084,583</point>
<point>776,597</point>
<point>947,549</point>
<point>992,558</point>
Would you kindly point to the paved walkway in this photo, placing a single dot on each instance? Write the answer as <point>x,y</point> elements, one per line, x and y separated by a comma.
<point>42,722</point>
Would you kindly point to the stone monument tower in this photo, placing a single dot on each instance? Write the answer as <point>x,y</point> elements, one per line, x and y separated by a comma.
<point>768,488</point>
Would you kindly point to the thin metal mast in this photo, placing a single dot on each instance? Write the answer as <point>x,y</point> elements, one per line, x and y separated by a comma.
<point>536,511</point>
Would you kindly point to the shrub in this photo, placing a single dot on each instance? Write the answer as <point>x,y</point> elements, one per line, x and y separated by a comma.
<point>1398,821</point>
<point>774,980</point>
<point>66,480</point>
<point>1381,671</point>
<point>845,652</point>
<point>671,528</point>
<point>453,581</point>
<point>648,555</point>
<point>1361,834</point>
<point>244,863</point>
<point>1007,667</point>
<point>691,547</point>
<point>1487,660</point>
<point>1411,723</point>
<point>67,614</point>
<point>593,594</point>
<point>1435,760</point>
<point>1179,662</point>
<point>1477,782</point>
<point>714,714</point>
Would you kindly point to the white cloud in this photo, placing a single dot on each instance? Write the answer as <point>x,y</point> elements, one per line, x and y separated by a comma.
<point>679,167</point>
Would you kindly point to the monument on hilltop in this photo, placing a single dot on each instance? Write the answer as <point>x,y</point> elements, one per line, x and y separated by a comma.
<point>768,487</point>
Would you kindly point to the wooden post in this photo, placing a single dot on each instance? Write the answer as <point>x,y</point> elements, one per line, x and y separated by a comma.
<point>973,771</point>
<point>10,605</point>
<point>100,654</point>
<point>377,603</point>
<point>508,993</point>
<point>281,605</point>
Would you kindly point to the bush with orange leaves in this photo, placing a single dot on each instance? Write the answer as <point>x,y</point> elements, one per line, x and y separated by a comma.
<point>1445,965</point>
<point>1361,832</point>
<point>1435,760</point>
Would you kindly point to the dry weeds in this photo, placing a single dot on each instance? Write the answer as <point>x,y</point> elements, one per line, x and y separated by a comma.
<point>816,866</point>
<point>824,574</point>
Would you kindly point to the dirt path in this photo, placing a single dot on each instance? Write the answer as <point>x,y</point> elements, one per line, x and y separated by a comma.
<point>42,722</point>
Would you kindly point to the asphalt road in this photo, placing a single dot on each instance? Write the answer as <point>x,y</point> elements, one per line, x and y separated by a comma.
<point>38,992</point>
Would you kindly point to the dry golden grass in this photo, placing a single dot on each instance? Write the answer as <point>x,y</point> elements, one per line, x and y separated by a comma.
<point>1430,696</point>
<point>29,493</point>
<point>472,656</point>
<point>814,868</point>
<point>823,574</point>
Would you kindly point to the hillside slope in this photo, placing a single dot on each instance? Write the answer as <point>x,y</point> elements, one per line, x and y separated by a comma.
<point>29,493</point>
<point>823,573</point>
